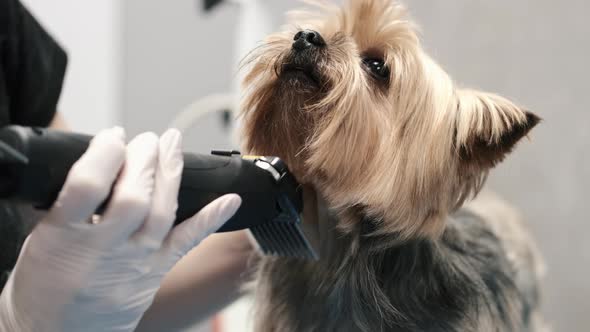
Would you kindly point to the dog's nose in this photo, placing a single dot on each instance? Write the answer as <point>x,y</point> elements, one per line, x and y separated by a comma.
<point>305,39</point>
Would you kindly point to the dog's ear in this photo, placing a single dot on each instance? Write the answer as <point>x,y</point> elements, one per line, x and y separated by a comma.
<point>488,126</point>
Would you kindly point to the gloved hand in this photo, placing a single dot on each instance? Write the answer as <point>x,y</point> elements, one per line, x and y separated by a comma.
<point>77,272</point>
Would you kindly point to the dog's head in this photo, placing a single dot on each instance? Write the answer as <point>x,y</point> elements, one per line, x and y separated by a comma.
<point>348,97</point>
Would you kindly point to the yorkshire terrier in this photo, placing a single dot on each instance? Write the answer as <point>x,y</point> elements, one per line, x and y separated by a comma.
<point>350,100</point>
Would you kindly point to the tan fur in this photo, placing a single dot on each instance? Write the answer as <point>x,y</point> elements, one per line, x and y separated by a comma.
<point>404,154</point>
<point>412,133</point>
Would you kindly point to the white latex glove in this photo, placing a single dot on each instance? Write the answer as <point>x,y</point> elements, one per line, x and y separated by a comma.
<point>73,275</point>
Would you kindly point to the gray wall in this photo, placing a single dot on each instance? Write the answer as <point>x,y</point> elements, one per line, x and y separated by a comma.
<point>533,51</point>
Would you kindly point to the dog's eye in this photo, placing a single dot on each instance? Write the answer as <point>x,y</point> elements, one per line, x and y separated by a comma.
<point>377,67</point>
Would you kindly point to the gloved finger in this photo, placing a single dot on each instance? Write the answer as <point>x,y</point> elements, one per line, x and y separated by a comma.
<point>132,194</point>
<point>90,179</point>
<point>191,232</point>
<point>165,198</point>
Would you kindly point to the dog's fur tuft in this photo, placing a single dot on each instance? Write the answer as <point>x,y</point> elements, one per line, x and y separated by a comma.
<point>394,152</point>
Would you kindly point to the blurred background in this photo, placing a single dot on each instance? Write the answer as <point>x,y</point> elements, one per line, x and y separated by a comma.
<point>139,63</point>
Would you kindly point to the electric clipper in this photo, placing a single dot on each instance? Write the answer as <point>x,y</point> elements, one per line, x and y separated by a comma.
<point>34,163</point>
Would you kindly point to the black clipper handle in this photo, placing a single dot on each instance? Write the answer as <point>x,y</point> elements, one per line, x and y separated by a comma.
<point>49,155</point>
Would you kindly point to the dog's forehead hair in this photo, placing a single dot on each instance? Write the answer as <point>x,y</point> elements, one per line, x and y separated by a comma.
<point>381,25</point>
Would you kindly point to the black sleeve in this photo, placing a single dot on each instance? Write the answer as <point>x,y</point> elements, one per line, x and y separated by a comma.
<point>32,68</point>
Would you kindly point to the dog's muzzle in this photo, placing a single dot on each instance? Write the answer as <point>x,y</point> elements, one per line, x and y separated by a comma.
<point>306,51</point>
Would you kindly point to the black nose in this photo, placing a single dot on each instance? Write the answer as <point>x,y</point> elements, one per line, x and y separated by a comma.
<point>305,39</point>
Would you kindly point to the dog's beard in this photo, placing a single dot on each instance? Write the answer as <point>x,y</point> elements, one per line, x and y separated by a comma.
<point>286,110</point>
<point>282,125</point>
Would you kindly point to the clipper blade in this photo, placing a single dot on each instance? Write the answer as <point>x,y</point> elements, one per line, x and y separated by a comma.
<point>283,238</point>
<point>290,234</point>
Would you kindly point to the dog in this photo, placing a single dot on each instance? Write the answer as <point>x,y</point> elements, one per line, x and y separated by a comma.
<point>363,116</point>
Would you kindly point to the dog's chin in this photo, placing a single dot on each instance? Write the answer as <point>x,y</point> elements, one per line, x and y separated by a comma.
<point>300,77</point>
<point>297,78</point>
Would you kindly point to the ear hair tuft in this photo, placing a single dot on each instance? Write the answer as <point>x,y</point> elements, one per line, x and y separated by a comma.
<point>489,126</point>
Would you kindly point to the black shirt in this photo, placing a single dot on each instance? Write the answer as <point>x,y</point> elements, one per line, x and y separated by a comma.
<point>32,68</point>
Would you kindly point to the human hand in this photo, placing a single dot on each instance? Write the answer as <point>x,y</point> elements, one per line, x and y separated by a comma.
<point>77,272</point>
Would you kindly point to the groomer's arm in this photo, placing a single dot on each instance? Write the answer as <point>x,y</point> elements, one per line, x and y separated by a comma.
<point>58,122</point>
<point>202,283</point>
